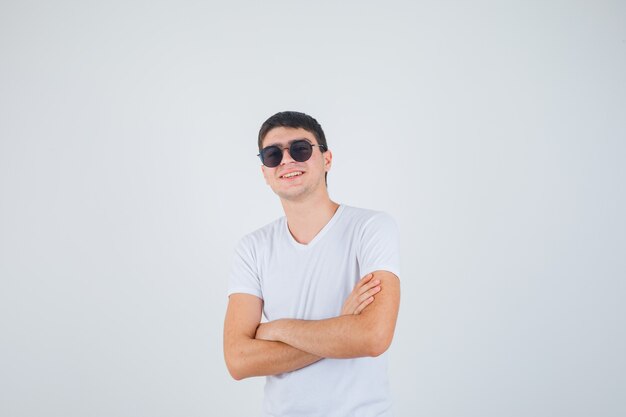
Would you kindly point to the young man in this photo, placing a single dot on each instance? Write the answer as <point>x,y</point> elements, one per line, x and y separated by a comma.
<point>325,277</point>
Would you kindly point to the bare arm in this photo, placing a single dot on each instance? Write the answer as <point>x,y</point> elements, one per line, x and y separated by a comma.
<point>348,336</point>
<point>245,356</point>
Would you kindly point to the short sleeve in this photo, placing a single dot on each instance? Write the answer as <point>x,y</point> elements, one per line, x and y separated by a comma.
<point>244,277</point>
<point>379,246</point>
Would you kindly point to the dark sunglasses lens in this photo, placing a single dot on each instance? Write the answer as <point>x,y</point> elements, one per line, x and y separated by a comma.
<point>301,150</point>
<point>271,156</point>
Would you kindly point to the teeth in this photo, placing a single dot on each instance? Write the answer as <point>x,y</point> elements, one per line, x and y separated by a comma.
<point>292,174</point>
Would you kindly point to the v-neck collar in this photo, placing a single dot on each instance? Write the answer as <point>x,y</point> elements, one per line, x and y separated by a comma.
<point>319,234</point>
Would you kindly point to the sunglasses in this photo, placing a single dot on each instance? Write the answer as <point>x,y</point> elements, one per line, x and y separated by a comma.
<point>300,150</point>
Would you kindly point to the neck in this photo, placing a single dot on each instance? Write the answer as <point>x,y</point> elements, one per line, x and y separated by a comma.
<point>306,218</point>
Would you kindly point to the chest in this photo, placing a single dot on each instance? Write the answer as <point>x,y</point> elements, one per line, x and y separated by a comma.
<point>310,283</point>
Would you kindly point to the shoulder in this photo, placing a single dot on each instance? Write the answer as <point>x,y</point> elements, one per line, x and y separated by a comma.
<point>262,236</point>
<point>366,218</point>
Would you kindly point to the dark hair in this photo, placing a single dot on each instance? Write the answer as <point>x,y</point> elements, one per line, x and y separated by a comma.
<point>294,119</point>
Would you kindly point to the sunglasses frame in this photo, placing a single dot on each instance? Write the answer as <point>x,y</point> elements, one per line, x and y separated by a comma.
<point>323,148</point>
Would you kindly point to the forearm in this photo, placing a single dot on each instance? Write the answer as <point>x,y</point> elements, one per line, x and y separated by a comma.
<point>251,357</point>
<point>340,337</point>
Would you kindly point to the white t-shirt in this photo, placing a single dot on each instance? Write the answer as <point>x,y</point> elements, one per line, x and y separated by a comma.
<point>311,282</point>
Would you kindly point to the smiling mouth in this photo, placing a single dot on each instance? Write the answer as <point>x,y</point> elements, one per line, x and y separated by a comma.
<point>292,174</point>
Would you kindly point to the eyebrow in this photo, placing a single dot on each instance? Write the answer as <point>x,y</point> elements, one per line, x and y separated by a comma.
<point>288,143</point>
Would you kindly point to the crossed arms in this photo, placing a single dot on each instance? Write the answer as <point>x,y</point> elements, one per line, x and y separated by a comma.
<point>364,328</point>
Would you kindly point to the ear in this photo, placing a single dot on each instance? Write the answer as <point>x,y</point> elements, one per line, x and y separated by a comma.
<point>264,174</point>
<point>328,160</point>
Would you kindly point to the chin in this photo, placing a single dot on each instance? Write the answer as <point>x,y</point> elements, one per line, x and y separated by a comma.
<point>291,195</point>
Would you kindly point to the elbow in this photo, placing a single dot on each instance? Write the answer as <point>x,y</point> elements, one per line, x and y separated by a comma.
<point>377,349</point>
<point>379,342</point>
<point>236,376</point>
<point>234,373</point>
<point>232,370</point>
<point>234,367</point>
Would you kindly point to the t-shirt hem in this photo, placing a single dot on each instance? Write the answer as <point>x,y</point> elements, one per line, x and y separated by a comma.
<point>240,290</point>
<point>393,270</point>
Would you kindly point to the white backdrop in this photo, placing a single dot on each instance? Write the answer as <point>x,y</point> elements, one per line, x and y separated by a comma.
<point>494,132</point>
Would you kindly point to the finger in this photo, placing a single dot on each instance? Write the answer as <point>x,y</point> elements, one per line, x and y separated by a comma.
<point>369,293</point>
<point>352,306</point>
<point>364,280</point>
<point>364,304</point>
<point>368,286</point>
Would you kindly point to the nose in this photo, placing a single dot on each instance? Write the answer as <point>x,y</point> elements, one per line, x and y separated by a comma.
<point>286,157</point>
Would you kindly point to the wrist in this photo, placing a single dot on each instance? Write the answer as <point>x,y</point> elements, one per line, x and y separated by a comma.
<point>277,329</point>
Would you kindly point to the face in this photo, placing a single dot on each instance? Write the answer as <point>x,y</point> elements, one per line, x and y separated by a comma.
<point>292,180</point>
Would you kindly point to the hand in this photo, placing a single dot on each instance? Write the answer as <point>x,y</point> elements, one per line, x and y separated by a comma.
<point>265,331</point>
<point>361,296</point>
